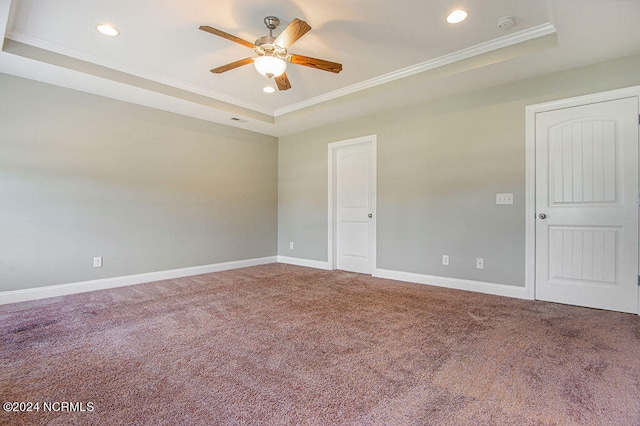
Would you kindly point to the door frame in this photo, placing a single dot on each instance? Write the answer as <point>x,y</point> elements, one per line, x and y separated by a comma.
<point>331,219</point>
<point>530,198</point>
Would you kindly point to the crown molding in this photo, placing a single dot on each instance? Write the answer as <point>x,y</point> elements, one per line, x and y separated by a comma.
<point>14,35</point>
<point>469,52</point>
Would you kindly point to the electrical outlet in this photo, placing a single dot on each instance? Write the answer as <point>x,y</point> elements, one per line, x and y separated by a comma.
<point>291,245</point>
<point>479,263</point>
<point>445,259</point>
<point>504,198</point>
<point>97,262</point>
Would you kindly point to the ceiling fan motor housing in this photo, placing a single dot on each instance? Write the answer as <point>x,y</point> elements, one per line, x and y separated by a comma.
<point>265,46</point>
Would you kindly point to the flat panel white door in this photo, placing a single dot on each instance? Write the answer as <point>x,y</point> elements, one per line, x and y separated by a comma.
<point>587,205</point>
<point>354,180</point>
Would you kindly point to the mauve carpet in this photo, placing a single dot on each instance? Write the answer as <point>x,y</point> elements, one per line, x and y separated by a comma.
<point>280,344</point>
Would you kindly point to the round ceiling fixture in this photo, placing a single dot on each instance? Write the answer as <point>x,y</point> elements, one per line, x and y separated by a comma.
<point>108,30</point>
<point>506,22</point>
<point>457,16</point>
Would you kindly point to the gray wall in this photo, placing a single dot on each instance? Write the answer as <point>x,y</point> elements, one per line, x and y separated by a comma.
<point>84,176</point>
<point>440,165</point>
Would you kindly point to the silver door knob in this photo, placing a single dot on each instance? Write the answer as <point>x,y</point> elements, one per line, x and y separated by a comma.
<point>370,215</point>
<point>542,216</point>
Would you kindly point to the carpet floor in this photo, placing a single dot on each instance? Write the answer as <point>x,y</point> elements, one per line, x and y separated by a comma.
<point>281,344</point>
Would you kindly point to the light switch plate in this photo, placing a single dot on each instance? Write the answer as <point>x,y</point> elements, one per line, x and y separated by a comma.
<point>504,198</point>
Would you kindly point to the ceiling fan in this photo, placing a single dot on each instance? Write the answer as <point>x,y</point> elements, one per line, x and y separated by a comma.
<point>272,52</point>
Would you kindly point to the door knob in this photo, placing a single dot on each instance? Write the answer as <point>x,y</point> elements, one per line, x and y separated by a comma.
<point>542,216</point>
<point>370,215</point>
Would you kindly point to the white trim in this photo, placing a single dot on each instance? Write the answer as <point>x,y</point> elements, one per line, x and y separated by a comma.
<point>610,95</point>
<point>454,283</point>
<point>39,43</point>
<point>331,148</point>
<point>64,77</point>
<point>469,52</point>
<point>530,207</point>
<point>318,264</point>
<point>106,283</point>
<point>530,134</point>
<point>5,12</point>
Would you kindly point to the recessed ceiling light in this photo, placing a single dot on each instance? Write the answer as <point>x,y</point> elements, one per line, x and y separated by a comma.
<point>108,30</point>
<point>457,16</point>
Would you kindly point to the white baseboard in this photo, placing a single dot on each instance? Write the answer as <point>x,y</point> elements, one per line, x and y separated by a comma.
<point>456,283</point>
<point>14,296</point>
<point>105,283</point>
<point>318,264</point>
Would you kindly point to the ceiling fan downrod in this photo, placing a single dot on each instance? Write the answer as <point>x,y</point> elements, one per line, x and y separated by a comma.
<point>272,23</point>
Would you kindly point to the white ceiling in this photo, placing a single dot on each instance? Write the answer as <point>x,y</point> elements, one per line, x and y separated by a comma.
<point>377,41</point>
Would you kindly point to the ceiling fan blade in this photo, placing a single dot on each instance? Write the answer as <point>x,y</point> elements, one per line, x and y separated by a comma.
<point>293,32</point>
<point>283,82</point>
<point>228,36</point>
<point>320,64</point>
<point>232,65</point>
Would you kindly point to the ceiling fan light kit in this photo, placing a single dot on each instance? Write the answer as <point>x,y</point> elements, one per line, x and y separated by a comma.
<point>269,88</point>
<point>270,66</point>
<point>272,55</point>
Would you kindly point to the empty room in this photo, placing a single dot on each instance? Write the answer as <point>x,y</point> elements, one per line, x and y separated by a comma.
<point>320,213</point>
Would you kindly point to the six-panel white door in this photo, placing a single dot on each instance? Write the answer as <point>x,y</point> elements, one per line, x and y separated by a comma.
<point>587,205</point>
<point>354,206</point>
